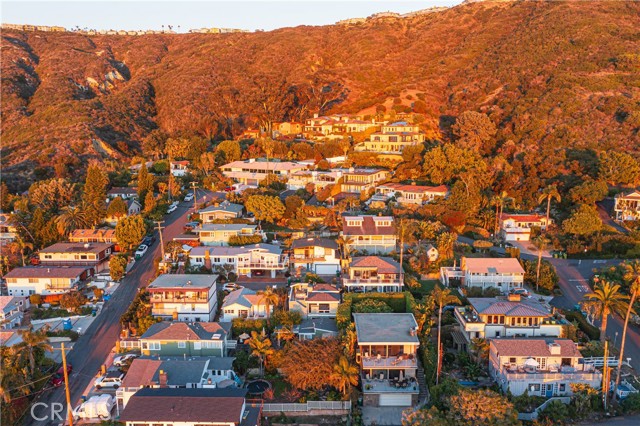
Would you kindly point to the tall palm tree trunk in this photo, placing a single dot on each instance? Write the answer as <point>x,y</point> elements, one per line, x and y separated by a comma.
<point>439,354</point>
<point>548,211</point>
<point>634,295</point>
<point>538,268</point>
<point>603,326</point>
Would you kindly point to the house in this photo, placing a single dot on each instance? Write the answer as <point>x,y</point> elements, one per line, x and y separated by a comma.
<point>12,310</point>
<point>317,255</point>
<point>124,192</point>
<point>374,274</point>
<point>251,172</point>
<point>627,206</point>
<point>504,274</point>
<point>221,211</point>
<point>375,234</point>
<point>7,230</point>
<point>316,328</point>
<point>101,235</point>
<point>314,300</point>
<point>92,255</point>
<point>190,407</point>
<point>287,128</point>
<point>542,367</point>
<point>219,234</point>
<point>318,178</point>
<point>252,260</point>
<point>45,280</point>
<point>9,338</point>
<point>361,180</point>
<point>387,352</point>
<point>410,194</point>
<point>517,227</point>
<point>179,168</point>
<point>243,303</point>
<point>172,372</point>
<point>133,208</point>
<point>184,297</point>
<point>187,339</point>
<point>393,138</point>
<point>511,316</point>
<point>432,253</point>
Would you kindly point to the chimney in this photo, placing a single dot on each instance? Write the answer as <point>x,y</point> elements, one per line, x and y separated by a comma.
<point>554,349</point>
<point>412,332</point>
<point>162,379</point>
<point>512,297</point>
<point>315,115</point>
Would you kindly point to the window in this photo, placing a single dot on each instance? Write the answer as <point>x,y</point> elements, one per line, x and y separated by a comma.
<point>47,256</point>
<point>535,387</point>
<point>33,280</point>
<point>182,345</point>
<point>562,387</point>
<point>323,308</point>
<point>512,360</point>
<point>152,346</point>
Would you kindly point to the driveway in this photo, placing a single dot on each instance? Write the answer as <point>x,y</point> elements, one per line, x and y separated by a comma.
<point>382,416</point>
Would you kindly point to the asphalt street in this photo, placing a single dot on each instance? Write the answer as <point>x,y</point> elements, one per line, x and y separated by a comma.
<point>94,346</point>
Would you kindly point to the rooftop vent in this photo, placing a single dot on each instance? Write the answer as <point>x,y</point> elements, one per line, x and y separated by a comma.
<point>554,349</point>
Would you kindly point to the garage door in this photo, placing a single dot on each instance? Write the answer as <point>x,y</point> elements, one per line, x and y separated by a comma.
<point>395,400</point>
<point>326,269</point>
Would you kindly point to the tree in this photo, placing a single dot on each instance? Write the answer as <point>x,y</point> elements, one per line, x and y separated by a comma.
<point>154,143</point>
<point>481,348</point>
<point>584,221</point>
<point>589,192</point>
<point>543,275</point>
<point>265,207</point>
<point>310,362</point>
<point>441,298</point>
<point>475,131</point>
<point>260,348</point>
<point>34,343</point>
<point>72,301</point>
<point>632,276</point>
<point>618,168</point>
<point>230,149</point>
<point>130,231</point>
<point>500,200</point>
<point>292,205</point>
<point>406,231</point>
<point>371,306</point>
<point>481,407</point>
<point>71,218</point>
<point>344,375</point>
<point>94,194</point>
<point>117,208</point>
<point>145,182</point>
<point>117,267</point>
<point>52,195</point>
<point>548,194</point>
<point>150,203</point>
<point>607,300</point>
<point>268,298</point>
<point>445,243</point>
<point>541,243</point>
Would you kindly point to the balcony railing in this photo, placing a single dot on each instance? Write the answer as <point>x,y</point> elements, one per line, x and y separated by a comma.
<point>385,385</point>
<point>179,300</point>
<point>261,265</point>
<point>297,258</point>
<point>371,281</point>
<point>405,361</point>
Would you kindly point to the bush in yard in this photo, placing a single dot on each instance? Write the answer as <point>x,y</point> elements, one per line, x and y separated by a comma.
<point>631,404</point>
<point>371,306</point>
<point>555,412</point>
<point>117,267</point>
<point>243,240</point>
<point>72,301</point>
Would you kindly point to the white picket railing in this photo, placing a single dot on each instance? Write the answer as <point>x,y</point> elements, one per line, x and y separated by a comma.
<point>308,406</point>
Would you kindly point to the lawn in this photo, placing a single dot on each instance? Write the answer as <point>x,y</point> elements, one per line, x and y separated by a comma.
<point>427,286</point>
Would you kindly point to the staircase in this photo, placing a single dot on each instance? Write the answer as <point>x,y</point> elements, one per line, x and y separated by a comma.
<point>423,396</point>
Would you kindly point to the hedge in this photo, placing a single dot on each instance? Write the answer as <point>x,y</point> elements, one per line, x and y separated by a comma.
<point>399,303</point>
<point>592,332</point>
<point>242,240</point>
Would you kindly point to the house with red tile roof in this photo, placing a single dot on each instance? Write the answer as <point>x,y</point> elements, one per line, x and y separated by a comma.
<point>517,227</point>
<point>179,168</point>
<point>374,274</point>
<point>373,234</point>
<point>411,194</point>
<point>541,367</point>
<point>314,300</point>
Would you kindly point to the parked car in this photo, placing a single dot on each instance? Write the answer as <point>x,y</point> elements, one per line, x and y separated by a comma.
<point>113,380</point>
<point>231,287</point>
<point>175,203</point>
<point>521,291</point>
<point>141,251</point>
<point>229,189</point>
<point>149,240</point>
<point>190,225</point>
<point>172,209</point>
<point>188,197</point>
<point>58,378</point>
<point>121,360</point>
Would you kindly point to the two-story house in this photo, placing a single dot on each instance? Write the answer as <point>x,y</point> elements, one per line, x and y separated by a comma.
<point>219,234</point>
<point>183,297</point>
<point>124,192</point>
<point>504,274</point>
<point>243,303</point>
<point>253,260</point>
<point>374,274</point>
<point>410,194</point>
<point>542,367</point>
<point>511,316</point>
<point>7,229</point>
<point>517,227</point>
<point>627,206</point>
<point>393,138</point>
<point>314,300</point>
<point>45,280</point>
<point>317,255</point>
<point>221,211</point>
<point>190,407</point>
<point>251,172</point>
<point>179,168</point>
<point>361,180</point>
<point>318,178</point>
<point>387,352</point>
<point>373,234</point>
<point>94,256</point>
<point>12,310</point>
<point>180,339</point>
<point>100,235</point>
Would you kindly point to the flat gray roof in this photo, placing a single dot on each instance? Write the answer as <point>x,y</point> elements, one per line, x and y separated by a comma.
<point>184,281</point>
<point>385,328</point>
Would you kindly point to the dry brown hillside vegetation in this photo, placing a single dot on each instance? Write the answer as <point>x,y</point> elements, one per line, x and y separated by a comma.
<point>548,74</point>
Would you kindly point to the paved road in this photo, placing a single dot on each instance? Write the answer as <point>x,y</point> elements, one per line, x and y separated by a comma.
<point>616,421</point>
<point>95,345</point>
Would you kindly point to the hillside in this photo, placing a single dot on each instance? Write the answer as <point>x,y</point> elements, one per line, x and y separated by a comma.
<point>549,74</point>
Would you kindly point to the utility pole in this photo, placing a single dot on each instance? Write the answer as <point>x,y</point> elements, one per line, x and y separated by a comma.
<point>605,380</point>
<point>195,197</point>
<point>66,385</point>
<point>160,228</point>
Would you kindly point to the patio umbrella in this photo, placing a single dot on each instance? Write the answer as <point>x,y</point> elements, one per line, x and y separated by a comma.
<point>243,336</point>
<point>225,383</point>
<point>530,362</point>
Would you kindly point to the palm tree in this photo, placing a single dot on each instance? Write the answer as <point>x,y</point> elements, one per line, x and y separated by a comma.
<point>548,194</point>
<point>608,300</point>
<point>261,348</point>
<point>34,342</point>
<point>269,298</point>
<point>405,230</point>
<point>500,200</point>
<point>540,242</point>
<point>441,298</point>
<point>423,312</point>
<point>481,348</point>
<point>632,275</point>
<point>71,218</point>
<point>344,375</point>
<point>345,242</point>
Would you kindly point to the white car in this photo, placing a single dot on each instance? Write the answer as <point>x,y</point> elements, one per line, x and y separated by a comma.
<point>112,379</point>
<point>231,287</point>
<point>142,249</point>
<point>188,197</point>
<point>172,208</point>
<point>121,360</point>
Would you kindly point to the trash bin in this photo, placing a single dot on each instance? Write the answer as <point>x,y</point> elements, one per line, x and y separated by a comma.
<point>83,398</point>
<point>93,313</point>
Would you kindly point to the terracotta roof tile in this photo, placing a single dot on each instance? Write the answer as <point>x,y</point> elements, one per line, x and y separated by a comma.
<point>534,347</point>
